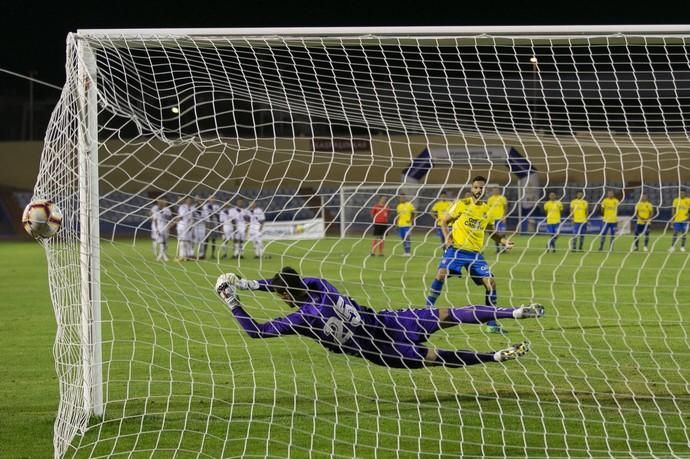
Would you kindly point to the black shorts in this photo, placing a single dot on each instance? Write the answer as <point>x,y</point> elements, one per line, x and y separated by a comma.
<point>380,229</point>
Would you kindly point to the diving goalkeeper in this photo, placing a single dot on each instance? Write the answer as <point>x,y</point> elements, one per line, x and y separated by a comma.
<point>391,338</point>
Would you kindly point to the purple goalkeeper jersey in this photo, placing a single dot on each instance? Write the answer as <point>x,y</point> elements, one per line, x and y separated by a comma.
<point>341,325</point>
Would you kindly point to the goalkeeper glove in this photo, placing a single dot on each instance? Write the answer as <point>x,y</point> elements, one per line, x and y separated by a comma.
<point>226,290</point>
<point>242,284</point>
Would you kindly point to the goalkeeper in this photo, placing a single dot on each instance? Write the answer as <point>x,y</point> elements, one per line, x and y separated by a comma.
<point>389,338</point>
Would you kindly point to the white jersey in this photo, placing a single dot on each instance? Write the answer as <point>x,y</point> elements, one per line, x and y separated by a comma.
<point>257,218</point>
<point>241,222</point>
<point>227,218</point>
<point>200,219</point>
<point>185,214</point>
<point>160,221</point>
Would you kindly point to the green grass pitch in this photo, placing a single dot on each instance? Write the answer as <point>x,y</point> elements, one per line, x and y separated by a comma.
<point>607,375</point>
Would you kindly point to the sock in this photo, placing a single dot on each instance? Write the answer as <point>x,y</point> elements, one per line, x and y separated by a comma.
<point>646,240</point>
<point>434,292</point>
<point>479,314</point>
<point>682,241</point>
<point>407,244</point>
<point>463,358</point>
<point>582,241</point>
<point>491,299</point>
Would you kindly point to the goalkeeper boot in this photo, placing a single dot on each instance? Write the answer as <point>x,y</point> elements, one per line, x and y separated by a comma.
<point>528,311</point>
<point>513,352</point>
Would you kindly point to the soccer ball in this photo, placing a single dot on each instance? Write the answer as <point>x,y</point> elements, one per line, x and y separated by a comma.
<point>42,219</point>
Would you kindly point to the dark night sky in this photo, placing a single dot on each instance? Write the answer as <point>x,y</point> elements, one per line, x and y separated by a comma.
<point>33,35</point>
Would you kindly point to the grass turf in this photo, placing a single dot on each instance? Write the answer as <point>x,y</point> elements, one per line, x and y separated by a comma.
<point>606,375</point>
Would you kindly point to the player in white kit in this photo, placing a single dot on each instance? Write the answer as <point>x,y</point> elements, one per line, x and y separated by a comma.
<point>199,232</point>
<point>257,217</point>
<point>241,226</point>
<point>185,227</point>
<point>228,217</point>
<point>160,228</point>
<point>213,233</point>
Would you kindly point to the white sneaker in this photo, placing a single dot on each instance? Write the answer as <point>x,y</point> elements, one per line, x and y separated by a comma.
<point>645,249</point>
<point>671,249</point>
<point>527,311</point>
<point>407,255</point>
<point>682,249</point>
<point>513,352</point>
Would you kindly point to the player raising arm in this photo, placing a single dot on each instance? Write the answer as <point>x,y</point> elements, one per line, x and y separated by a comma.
<point>388,338</point>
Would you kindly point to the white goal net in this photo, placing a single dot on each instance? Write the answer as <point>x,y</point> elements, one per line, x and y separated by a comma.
<point>300,133</point>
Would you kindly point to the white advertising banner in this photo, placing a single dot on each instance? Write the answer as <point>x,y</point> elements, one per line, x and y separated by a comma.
<point>301,229</point>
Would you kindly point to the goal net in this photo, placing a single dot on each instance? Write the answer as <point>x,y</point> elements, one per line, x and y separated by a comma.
<point>313,126</point>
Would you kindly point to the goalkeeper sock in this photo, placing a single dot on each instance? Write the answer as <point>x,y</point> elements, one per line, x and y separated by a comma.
<point>463,358</point>
<point>435,292</point>
<point>479,314</point>
<point>491,299</point>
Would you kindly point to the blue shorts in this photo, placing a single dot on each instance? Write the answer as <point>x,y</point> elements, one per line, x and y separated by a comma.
<point>680,227</point>
<point>609,228</point>
<point>439,232</point>
<point>404,231</point>
<point>402,333</point>
<point>641,228</point>
<point>579,228</point>
<point>500,226</point>
<point>455,259</point>
<point>552,228</point>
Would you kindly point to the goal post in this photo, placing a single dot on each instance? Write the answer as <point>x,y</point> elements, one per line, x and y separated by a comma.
<point>310,126</point>
<point>89,231</point>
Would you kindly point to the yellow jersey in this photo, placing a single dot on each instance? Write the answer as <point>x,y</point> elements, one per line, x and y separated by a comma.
<point>681,207</point>
<point>643,212</point>
<point>553,211</point>
<point>497,206</point>
<point>440,208</point>
<point>404,211</point>
<point>578,209</point>
<point>470,222</point>
<point>610,210</point>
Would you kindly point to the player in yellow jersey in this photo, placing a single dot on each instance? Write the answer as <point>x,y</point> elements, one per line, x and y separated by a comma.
<point>578,212</point>
<point>498,208</point>
<point>464,243</point>
<point>681,209</point>
<point>404,218</point>
<point>643,215</point>
<point>609,213</point>
<point>553,208</point>
<point>439,209</point>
